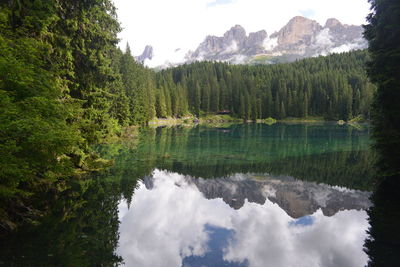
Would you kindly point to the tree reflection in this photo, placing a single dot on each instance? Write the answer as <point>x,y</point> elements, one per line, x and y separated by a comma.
<point>327,153</point>
<point>82,230</point>
<point>383,244</point>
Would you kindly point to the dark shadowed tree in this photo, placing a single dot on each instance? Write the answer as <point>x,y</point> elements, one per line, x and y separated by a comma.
<point>383,35</point>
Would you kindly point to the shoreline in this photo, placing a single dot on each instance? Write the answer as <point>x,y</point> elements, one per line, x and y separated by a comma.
<point>227,119</point>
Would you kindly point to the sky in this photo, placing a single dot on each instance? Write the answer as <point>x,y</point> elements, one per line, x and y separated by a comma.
<point>169,25</point>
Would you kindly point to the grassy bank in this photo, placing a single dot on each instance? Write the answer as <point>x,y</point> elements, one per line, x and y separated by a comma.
<point>306,119</point>
<point>192,120</point>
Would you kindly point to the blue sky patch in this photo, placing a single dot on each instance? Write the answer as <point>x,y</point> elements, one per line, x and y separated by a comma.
<point>307,12</point>
<point>214,257</point>
<point>303,221</point>
<point>220,2</point>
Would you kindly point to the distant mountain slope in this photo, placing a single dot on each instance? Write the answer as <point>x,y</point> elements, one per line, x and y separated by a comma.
<point>147,54</point>
<point>299,38</point>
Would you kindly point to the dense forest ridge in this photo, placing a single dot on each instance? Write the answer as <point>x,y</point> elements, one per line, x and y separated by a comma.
<point>66,86</point>
<point>299,38</point>
<point>334,87</point>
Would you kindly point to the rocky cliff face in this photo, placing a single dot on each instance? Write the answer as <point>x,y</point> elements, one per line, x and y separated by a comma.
<point>299,38</point>
<point>147,54</point>
<point>297,31</point>
<point>221,48</point>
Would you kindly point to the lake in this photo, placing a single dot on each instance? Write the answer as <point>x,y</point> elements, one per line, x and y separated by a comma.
<point>235,195</point>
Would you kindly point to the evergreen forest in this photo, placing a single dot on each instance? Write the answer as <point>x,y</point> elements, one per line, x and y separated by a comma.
<point>335,87</point>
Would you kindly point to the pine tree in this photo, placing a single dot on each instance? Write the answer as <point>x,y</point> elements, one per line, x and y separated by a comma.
<point>383,35</point>
<point>90,50</point>
<point>160,104</point>
<point>197,100</point>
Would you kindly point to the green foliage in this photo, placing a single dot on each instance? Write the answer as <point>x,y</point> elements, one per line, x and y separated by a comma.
<point>335,87</point>
<point>59,94</point>
<point>90,29</point>
<point>139,89</point>
<point>383,35</point>
<point>39,138</point>
<point>269,121</point>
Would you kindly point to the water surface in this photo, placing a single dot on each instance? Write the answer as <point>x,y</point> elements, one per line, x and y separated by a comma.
<point>241,195</point>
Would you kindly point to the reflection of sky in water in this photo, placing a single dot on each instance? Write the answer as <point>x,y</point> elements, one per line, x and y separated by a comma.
<point>214,256</point>
<point>305,220</point>
<point>177,226</point>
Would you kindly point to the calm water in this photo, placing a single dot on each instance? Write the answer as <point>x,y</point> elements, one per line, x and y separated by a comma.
<point>243,195</point>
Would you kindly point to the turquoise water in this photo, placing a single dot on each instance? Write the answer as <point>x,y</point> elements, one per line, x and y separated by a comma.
<point>328,153</point>
<point>240,195</point>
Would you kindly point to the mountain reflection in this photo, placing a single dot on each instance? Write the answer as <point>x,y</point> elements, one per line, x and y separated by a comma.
<point>279,221</point>
<point>297,198</point>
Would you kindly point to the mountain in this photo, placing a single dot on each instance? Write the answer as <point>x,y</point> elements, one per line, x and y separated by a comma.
<point>299,38</point>
<point>147,54</point>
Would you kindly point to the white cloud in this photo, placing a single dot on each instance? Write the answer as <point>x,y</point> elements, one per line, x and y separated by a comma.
<point>346,48</point>
<point>324,38</point>
<point>167,223</point>
<point>232,48</point>
<point>238,59</point>
<point>168,25</point>
<point>270,43</point>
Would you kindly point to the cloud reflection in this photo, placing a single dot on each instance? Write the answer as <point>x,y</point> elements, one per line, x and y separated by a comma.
<point>169,223</point>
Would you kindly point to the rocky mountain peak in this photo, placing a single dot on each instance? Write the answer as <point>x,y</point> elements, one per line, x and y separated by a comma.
<point>237,33</point>
<point>296,30</point>
<point>147,54</point>
<point>332,22</point>
<point>255,42</point>
<point>257,37</point>
<point>299,38</point>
